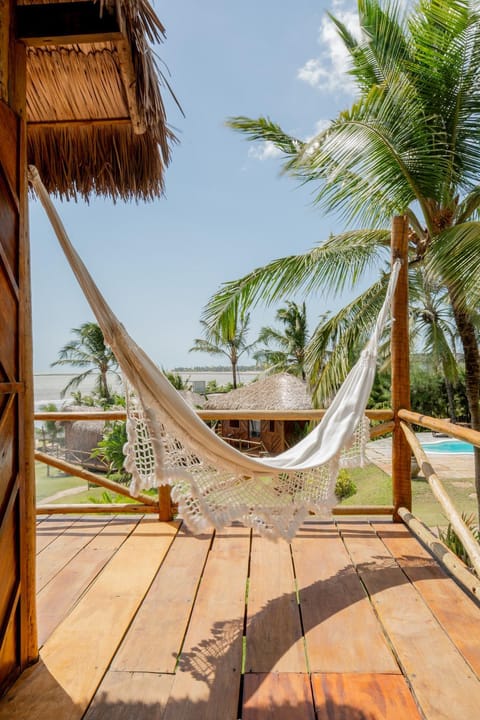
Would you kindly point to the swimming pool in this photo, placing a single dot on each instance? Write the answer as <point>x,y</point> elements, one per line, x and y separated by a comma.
<point>448,446</point>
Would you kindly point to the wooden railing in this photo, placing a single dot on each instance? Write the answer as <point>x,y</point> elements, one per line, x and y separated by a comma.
<point>385,424</point>
<point>161,504</point>
<point>464,533</point>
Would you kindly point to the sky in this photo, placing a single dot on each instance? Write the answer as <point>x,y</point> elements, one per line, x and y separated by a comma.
<point>227,209</point>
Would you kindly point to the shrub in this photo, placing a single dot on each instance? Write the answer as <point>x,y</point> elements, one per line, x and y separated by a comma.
<point>344,487</point>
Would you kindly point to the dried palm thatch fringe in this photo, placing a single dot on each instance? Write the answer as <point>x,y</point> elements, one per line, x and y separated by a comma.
<point>81,83</point>
<point>111,161</point>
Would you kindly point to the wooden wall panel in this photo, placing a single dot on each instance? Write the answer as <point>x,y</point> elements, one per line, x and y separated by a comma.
<point>17,624</point>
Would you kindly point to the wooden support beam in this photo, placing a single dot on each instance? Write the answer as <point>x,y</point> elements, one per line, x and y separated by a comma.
<point>401,453</point>
<point>164,503</point>
<point>65,23</point>
<point>385,414</point>
<point>453,516</point>
<point>450,561</point>
<point>79,122</point>
<point>97,508</point>
<point>383,429</point>
<point>363,510</point>
<point>108,415</point>
<point>76,471</point>
<point>443,426</point>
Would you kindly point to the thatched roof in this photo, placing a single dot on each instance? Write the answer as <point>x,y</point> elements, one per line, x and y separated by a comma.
<point>96,119</point>
<point>194,399</point>
<point>275,392</point>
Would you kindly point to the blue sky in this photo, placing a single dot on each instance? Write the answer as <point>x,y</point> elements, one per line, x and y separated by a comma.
<point>226,208</point>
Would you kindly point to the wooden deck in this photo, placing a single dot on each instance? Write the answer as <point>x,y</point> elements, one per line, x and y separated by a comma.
<point>141,620</point>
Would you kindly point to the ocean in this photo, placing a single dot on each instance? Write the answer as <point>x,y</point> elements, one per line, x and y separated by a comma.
<point>48,386</point>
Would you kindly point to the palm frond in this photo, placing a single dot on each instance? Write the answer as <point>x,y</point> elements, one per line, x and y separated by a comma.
<point>335,344</point>
<point>268,131</point>
<point>455,258</point>
<point>331,267</point>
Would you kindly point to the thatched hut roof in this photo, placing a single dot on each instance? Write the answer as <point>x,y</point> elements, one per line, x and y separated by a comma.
<point>275,392</point>
<point>95,117</point>
<point>195,400</point>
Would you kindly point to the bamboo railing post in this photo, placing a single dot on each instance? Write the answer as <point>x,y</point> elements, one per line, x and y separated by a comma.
<point>401,452</point>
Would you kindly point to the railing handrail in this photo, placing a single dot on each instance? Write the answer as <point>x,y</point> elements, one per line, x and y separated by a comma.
<point>454,518</point>
<point>443,426</point>
<point>110,415</point>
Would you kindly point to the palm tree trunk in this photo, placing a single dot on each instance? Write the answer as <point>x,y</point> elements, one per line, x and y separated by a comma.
<point>468,338</point>
<point>234,373</point>
<point>104,389</point>
<point>450,398</point>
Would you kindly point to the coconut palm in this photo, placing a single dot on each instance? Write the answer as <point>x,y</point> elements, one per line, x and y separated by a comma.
<point>288,351</point>
<point>409,145</point>
<point>87,350</point>
<point>227,337</point>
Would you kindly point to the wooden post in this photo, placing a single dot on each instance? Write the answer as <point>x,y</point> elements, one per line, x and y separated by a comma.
<point>401,452</point>
<point>164,503</point>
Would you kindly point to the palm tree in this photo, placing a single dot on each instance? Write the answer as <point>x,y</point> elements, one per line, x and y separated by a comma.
<point>434,328</point>
<point>228,337</point>
<point>289,353</point>
<point>409,145</point>
<point>88,350</point>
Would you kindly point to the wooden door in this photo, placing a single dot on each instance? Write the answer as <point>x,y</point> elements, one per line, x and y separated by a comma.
<point>17,623</point>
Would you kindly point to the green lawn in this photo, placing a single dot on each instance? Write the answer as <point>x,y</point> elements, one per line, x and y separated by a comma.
<point>54,482</point>
<point>374,487</point>
<point>50,481</point>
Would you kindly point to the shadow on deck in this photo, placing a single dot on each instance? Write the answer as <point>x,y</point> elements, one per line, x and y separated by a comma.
<point>352,621</point>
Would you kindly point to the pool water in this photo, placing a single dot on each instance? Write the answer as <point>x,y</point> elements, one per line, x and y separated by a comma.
<point>448,446</point>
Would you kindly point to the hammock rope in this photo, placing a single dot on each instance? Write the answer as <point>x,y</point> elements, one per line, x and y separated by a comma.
<point>212,482</point>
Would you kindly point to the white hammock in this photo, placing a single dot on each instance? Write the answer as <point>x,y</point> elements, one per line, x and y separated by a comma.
<point>212,482</point>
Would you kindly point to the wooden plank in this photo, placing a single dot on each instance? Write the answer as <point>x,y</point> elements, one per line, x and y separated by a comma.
<point>61,551</point>
<point>277,696</point>
<point>360,696</point>
<point>444,685</point>
<point>274,631</point>
<point>131,696</point>
<point>76,656</point>
<point>455,610</point>
<point>207,681</point>
<point>154,640</point>
<point>342,632</point>
<point>64,590</point>
<point>51,529</point>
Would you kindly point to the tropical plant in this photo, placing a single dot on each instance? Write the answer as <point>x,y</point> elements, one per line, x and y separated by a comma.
<point>450,538</point>
<point>110,450</point>
<point>50,430</point>
<point>176,380</point>
<point>409,145</point>
<point>87,349</point>
<point>226,337</point>
<point>288,352</point>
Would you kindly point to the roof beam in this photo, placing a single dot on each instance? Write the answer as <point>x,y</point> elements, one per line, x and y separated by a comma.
<point>64,23</point>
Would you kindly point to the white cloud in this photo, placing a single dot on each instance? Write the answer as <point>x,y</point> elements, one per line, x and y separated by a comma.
<point>264,151</point>
<point>328,71</point>
<point>319,127</point>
